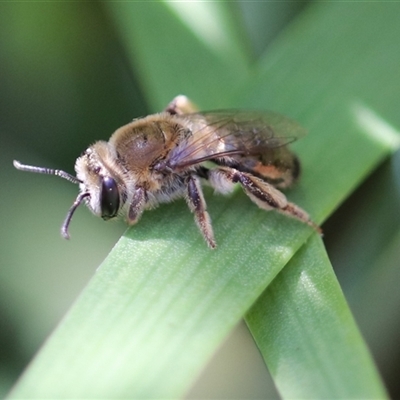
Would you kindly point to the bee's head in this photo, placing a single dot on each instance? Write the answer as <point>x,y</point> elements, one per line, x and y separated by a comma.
<point>97,172</point>
<point>100,188</point>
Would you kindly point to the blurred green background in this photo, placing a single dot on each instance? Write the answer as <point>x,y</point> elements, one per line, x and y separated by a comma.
<point>65,81</point>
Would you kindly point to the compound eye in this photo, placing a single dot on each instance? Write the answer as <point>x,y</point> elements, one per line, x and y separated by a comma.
<point>109,198</point>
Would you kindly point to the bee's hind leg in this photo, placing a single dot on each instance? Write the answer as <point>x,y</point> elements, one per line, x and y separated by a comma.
<point>181,105</point>
<point>195,200</point>
<point>260,192</point>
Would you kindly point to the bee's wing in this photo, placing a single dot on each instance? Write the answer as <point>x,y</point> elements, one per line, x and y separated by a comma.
<point>218,134</point>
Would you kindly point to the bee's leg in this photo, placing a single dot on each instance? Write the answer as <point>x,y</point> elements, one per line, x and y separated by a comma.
<point>136,206</point>
<point>181,105</point>
<point>197,204</point>
<point>260,192</point>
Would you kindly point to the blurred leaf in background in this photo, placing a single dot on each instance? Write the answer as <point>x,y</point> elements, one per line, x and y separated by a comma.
<point>69,77</point>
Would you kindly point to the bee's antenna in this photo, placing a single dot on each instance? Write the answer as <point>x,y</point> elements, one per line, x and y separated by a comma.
<point>47,171</point>
<point>77,202</point>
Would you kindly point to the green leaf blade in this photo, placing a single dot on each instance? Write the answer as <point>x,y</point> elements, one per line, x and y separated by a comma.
<point>142,338</point>
<point>307,335</point>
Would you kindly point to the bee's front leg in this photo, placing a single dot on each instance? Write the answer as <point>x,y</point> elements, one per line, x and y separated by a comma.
<point>181,105</point>
<point>259,191</point>
<point>136,206</point>
<point>197,204</point>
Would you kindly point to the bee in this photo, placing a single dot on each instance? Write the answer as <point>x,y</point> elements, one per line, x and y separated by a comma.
<point>168,155</point>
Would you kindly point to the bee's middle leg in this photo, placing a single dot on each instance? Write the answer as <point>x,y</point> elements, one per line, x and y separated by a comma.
<point>181,105</point>
<point>260,192</point>
<point>197,204</point>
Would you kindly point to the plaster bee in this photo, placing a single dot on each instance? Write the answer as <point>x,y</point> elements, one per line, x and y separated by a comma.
<point>165,156</point>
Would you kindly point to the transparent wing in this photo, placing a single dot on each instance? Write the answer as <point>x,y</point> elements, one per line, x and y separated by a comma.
<point>218,134</point>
